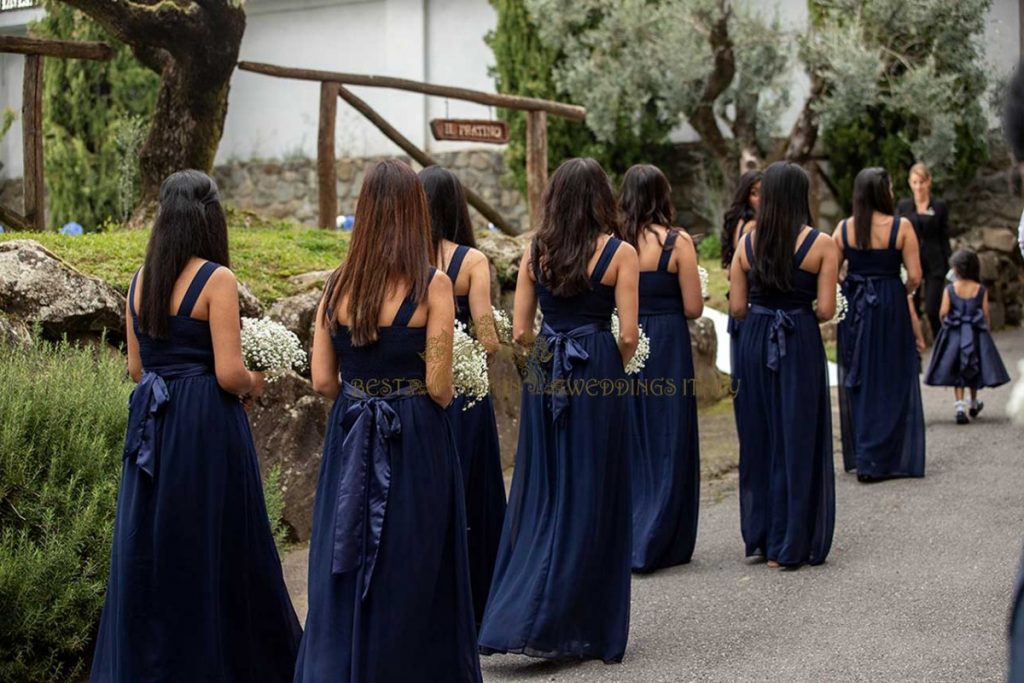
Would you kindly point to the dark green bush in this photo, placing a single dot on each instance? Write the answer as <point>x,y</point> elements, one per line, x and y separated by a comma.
<point>64,412</point>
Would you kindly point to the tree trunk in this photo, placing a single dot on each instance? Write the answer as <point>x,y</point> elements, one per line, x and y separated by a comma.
<point>194,47</point>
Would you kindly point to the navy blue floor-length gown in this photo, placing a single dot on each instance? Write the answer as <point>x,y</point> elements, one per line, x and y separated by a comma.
<point>964,354</point>
<point>880,408</point>
<point>389,592</point>
<point>196,591</point>
<point>1017,630</point>
<point>787,484</point>
<point>476,438</point>
<point>561,584</point>
<point>666,467</point>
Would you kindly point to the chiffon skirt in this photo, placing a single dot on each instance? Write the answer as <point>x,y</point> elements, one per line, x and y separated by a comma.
<point>666,466</point>
<point>787,485</point>
<point>562,579</point>
<point>196,591</point>
<point>476,439</point>
<point>403,612</point>
<point>880,408</point>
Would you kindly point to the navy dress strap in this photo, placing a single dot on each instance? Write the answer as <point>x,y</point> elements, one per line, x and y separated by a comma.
<point>805,247</point>
<point>894,233</point>
<point>455,265</point>
<point>606,257</point>
<point>666,253</point>
<point>842,229</point>
<point>195,288</point>
<point>131,294</point>
<point>749,248</point>
<point>409,305</point>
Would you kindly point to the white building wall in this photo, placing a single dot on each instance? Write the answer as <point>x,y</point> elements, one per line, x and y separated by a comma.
<point>12,70</point>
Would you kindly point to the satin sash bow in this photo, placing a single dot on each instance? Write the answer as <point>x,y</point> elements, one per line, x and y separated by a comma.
<point>778,329</point>
<point>566,353</point>
<point>861,293</point>
<point>969,324</point>
<point>145,405</point>
<point>370,424</point>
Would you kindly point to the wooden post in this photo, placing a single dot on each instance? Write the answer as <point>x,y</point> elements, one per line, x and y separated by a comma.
<point>32,138</point>
<point>536,163</point>
<point>326,166</point>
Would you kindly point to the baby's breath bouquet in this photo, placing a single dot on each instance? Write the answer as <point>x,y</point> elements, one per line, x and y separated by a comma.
<point>703,273</point>
<point>469,367</point>
<point>643,347</point>
<point>502,325</point>
<point>842,305</point>
<point>269,345</point>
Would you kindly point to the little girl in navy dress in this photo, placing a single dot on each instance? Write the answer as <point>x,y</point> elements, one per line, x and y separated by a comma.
<point>965,355</point>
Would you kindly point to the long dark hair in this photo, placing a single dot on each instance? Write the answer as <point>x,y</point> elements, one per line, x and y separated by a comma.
<point>390,246</point>
<point>190,222</point>
<point>739,210</point>
<point>872,191</point>
<point>784,211</point>
<point>645,200</point>
<point>966,265</point>
<point>578,206</point>
<point>449,212</point>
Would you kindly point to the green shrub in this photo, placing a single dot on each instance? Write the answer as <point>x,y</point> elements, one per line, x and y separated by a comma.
<point>273,494</point>
<point>61,440</point>
<point>710,248</point>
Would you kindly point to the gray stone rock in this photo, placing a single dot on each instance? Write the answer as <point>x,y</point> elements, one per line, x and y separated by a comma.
<point>505,254</point>
<point>999,239</point>
<point>249,306</point>
<point>710,384</point>
<point>315,278</point>
<point>36,286</point>
<point>298,314</point>
<point>13,332</point>
<point>288,425</point>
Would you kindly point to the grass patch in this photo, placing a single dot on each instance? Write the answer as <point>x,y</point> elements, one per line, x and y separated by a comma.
<point>264,253</point>
<point>718,285</point>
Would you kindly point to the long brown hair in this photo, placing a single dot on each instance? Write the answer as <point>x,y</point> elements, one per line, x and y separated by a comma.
<point>872,191</point>
<point>390,247</point>
<point>645,200</point>
<point>189,223</point>
<point>578,206</point>
<point>449,212</point>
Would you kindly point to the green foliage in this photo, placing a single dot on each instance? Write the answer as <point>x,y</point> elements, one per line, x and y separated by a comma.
<point>273,494</point>
<point>524,65</point>
<point>93,114</point>
<point>710,248</point>
<point>264,254</point>
<point>905,82</point>
<point>61,437</point>
<point>6,121</point>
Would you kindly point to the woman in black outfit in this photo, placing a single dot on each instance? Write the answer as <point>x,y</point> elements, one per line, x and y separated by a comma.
<point>930,219</point>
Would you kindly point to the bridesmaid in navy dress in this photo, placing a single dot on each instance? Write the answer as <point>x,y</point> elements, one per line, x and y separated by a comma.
<point>1017,630</point>
<point>475,429</point>
<point>738,221</point>
<point>561,584</point>
<point>196,591</point>
<point>965,357</point>
<point>879,391</point>
<point>389,592</point>
<point>666,468</point>
<point>787,486</point>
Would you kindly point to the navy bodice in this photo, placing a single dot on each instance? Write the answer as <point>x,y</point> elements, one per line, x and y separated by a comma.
<point>396,358</point>
<point>594,305</point>
<point>189,342</point>
<point>804,288</point>
<point>874,262</point>
<point>462,313</point>
<point>659,289</point>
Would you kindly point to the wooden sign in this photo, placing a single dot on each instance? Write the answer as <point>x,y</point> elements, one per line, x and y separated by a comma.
<point>471,130</point>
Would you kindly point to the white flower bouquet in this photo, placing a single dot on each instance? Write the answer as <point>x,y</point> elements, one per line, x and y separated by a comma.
<point>469,367</point>
<point>842,305</point>
<point>643,347</point>
<point>703,273</point>
<point>269,345</point>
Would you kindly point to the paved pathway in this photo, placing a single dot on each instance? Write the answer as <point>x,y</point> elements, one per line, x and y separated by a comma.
<point>917,586</point>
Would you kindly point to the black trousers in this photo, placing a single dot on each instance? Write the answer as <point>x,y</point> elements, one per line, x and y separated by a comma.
<point>929,301</point>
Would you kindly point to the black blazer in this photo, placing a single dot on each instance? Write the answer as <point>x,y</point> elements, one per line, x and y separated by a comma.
<point>932,232</point>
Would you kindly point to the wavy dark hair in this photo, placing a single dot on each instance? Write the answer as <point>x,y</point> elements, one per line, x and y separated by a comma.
<point>390,246</point>
<point>645,200</point>
<point>872,191</point>
<point>449,212</point>
<point>966,264</point>
<point>190,223</point>
<point>784,211</point>
<point>578,206</point>
<point>739,210</point>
